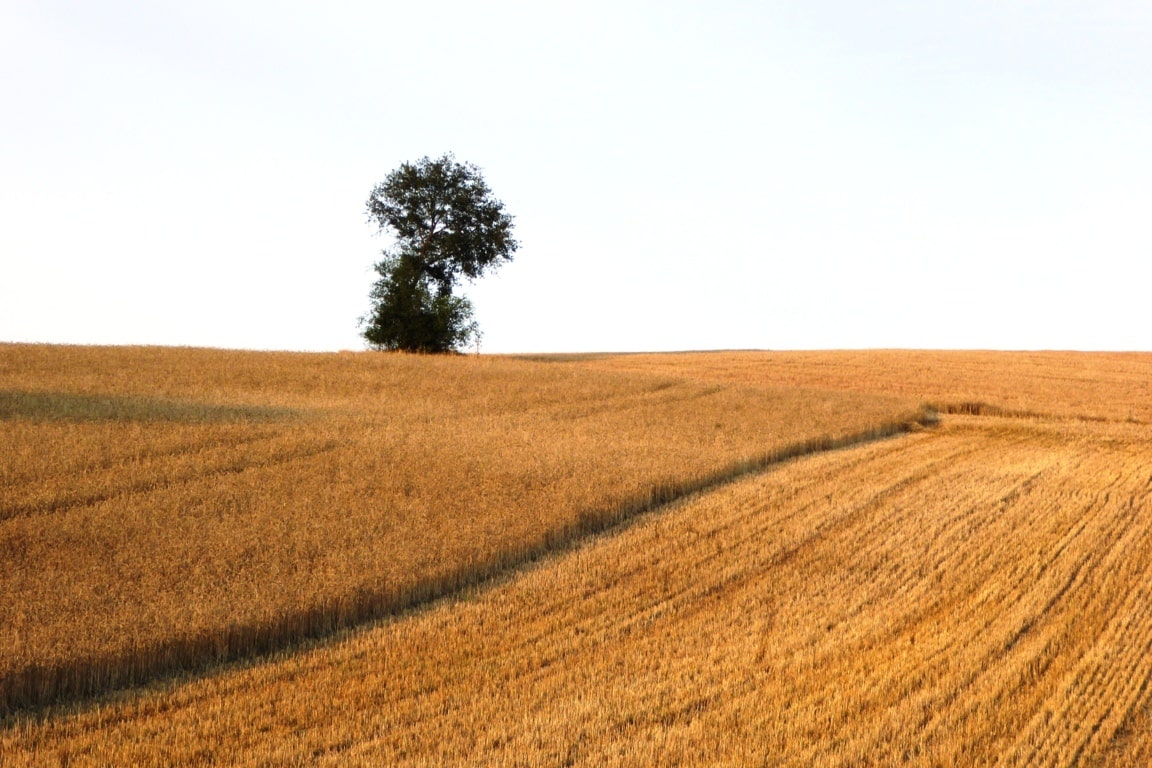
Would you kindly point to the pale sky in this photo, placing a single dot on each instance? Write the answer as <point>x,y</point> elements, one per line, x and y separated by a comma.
<point>683,175</point>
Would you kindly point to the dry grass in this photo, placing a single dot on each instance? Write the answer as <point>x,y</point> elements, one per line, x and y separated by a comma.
<point>979,594</point>
<point>160,508</point>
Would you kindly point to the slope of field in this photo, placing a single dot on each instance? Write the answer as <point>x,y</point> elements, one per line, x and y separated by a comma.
<point>1114,386</point>
<point>164,507</point>
<point>980,594</point>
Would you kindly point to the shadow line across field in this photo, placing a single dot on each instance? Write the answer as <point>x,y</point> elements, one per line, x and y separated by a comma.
<point>37,688</point>
<point>980,408</point>
<point>74,407</point>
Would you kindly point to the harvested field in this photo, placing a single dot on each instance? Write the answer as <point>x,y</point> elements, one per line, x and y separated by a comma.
<point>977,594</point>
<point>162,508</point>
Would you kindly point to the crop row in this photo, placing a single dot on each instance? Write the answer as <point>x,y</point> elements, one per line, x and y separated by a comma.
<point>978,594</point>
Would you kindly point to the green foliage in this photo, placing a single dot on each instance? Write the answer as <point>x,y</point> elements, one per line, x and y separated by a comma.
<point>408,314</point>
<point>447,226</point>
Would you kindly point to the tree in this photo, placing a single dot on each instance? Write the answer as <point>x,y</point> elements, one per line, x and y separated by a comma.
<point>447,226</point>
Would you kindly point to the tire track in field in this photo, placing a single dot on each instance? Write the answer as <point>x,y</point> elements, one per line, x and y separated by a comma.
<point>219,460</point>
<point>1098,695</point>
<point>1022,607</point>
<point>1003,634</point>
<point>1029,630</point>
<point>90,473</point>
<point>177,448</point>
<point>907,594</point>
<point>1016,623</point>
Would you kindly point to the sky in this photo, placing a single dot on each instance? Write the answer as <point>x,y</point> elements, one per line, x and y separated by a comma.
<point>784,174</point>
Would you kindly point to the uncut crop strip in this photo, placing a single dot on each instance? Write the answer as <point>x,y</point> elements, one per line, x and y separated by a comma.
<point>961,597</point>
<point>164,509</point>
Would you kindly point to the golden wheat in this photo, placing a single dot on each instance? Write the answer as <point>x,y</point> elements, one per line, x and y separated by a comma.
<point>973,595</point>
<point>160,508</point>
<point>1114,386</point>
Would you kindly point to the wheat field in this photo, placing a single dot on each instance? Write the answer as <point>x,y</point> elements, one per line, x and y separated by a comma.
<point>165,508</point>
<point>976,595</point>
<point>1098,386</point>
<point>973,593</point>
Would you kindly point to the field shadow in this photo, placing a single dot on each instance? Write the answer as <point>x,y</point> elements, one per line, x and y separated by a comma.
<point>73,407</point>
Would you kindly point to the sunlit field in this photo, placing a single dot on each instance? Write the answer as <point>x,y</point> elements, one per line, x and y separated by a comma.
<point>161,508</point>
<point>976,591</point>
<point>1114,386</point>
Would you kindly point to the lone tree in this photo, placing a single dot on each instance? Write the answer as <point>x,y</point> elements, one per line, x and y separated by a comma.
<point>446,225</point>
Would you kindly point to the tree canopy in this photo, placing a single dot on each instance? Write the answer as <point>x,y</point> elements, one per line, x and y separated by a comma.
<point>447,226</point>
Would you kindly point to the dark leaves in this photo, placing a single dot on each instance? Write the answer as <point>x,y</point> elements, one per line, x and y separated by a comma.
<point>447,224</point>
